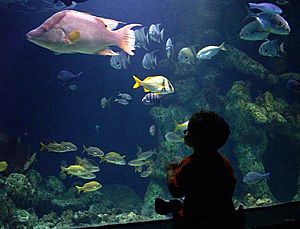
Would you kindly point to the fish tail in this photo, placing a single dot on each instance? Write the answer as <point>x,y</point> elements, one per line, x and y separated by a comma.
<point>43,146</point>
<point>63,169</point>
<point>222,46</point>
<point>250,14</point>
<point>79,189</point>
<point>127,38</point>
<point>137,82</point>
<point>84,148</point>
<point>79,74</point>
<point>267,175</point>
<point>251,5</point>
<point>177,126</point>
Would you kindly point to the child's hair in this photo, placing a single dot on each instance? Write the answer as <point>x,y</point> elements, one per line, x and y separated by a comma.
<point>207,130</point>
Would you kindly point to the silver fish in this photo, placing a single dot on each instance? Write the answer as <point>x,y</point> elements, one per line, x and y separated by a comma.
<point>141,39</point>
<point>150,60</point>
<point>121,101</point>
<point>271,49</point>
<point>253,32</point>
<point>266,7</point>
<point>272,23</point>
<point>210,51</point>
<point>120,61</point>
<point>124,96</point>
<point>169,48</point>
<point>155,34</point>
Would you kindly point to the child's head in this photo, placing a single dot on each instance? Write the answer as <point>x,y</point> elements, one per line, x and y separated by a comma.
<point>207,131</point>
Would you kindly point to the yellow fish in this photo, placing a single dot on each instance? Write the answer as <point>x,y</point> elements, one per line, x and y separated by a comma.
<point>3,166</point>
<point>89,187</point>
<point>180,126</point>
<point>75,170</point>
<point>155,84</point>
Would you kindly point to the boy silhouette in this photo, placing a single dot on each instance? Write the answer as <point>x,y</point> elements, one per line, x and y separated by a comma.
<point>204,180</point>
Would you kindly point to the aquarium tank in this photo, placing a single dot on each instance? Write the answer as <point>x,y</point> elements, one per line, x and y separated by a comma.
<point>96,95</point>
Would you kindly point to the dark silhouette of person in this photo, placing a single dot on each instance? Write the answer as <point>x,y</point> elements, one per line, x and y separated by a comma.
<point>204,180</point>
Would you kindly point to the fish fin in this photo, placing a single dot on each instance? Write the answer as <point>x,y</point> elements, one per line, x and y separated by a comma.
<point>147,38</point>
<point>79,74</point>
<point>126,38</point>
<point>155,61</point>
<point>137,82</point>
<point>74,36</point>
<point>43,146</point>
<point>146,90</point>
<point>162,34</point>
<point>148,78</point>
<point>110,23</point>
<point>107,52</point>
<point>157,93</point>
<point>79,189</point>
<point>63,169</point>
<point>57,53</point>
<point>177,126</point>
<point>222,46</point>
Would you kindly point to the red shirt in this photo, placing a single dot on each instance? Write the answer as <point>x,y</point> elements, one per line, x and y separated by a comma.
<point>207,182</point>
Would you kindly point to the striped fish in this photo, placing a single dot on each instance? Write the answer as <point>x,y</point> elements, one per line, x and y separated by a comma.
<point>152,99</point>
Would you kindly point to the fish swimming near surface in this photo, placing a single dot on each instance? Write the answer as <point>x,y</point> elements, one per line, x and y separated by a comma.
<point>169,48</point>
<point>150,60</point>
<point>173,137</point>
<point>125,96</point>
<point>253,32</point>
<point>141,39</point>
<point>155,84</point>
<point>70,31</point>
<point>155,33</point>
<point>151,99</point>
<point>89,187</point>
<point>255,177</point>
<point>293,85</point>
<point>69,2</point>
<point>187,55</point>
<point>121,61</point>
<point>266,7</point>
<point>272,23</point>
<point>3,166</point>
<point>210,51</point>
<point>271,48</point>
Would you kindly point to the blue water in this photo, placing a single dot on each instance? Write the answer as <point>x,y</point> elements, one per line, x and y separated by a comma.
<point>34,107</point>
<point>33,101</point>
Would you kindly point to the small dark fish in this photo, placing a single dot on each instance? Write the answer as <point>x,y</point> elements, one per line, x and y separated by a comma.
<point>69,2</point>
<point>293,85</point>
<point>152,99</point>
<point>68,78</point>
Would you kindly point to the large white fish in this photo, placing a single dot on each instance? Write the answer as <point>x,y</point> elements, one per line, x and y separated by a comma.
<point>210,51</point>
<point>71,31</point>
